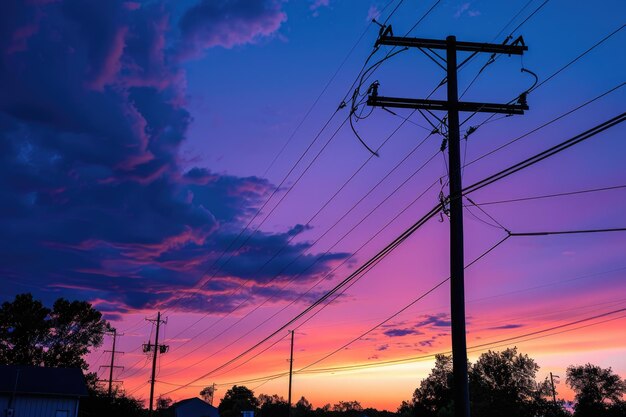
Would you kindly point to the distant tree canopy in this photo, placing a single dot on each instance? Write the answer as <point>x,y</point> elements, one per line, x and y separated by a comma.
<point>32,334</point>
<point>272,405</point>
<point>236,400</point>
<point>208,393</point>
<point>504,384</point>
<point>598,391</point>
<point>435,391</point>
<point>347,406</point>
<point>99,404</point>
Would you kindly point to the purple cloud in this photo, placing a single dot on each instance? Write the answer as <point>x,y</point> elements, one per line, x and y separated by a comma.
<point>400,332</point>
<point>95,200</point>
<point>507,327</point>
<point>434,320</point>
<point>223,23</point>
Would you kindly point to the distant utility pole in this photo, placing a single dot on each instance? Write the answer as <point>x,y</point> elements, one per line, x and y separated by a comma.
<point>156,348</point>
<point>213,392</point>
<point>453,107</point>
<point>114,335</point>
<point>553,389</point>
<point>290,372</point>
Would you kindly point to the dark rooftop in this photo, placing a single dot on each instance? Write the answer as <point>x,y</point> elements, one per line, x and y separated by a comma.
<point>38,380</point>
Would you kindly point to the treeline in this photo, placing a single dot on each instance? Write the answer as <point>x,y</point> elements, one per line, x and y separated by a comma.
<point>501,383</point>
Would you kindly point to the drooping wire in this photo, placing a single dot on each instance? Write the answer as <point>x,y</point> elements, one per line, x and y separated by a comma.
<point>408,232</point>
<point>542,126</point>
<point>543,196</point>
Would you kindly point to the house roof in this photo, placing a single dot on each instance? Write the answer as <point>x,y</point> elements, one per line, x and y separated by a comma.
<point>194,407</point>
<point>192,400</point>
<point>66,382</point>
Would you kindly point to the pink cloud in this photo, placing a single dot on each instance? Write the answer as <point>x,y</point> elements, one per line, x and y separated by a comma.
<point>210,24</point>
<point>112,64</point>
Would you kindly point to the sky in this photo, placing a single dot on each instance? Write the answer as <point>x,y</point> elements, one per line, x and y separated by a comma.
<point>189,157</point>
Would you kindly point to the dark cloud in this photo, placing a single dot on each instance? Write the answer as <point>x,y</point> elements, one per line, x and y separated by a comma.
<point>96,204</point>
<point>400,332</point>
<point>434,320</point>
<point>507,327</point>
<point>228,23</point>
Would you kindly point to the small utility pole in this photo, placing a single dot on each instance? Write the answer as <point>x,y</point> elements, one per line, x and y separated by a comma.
<point>452,106</point>
<point>213,393</point>
<point>156,348</point>
<point>553,389</point>
<point>112,366</point>
<point>290,372</point>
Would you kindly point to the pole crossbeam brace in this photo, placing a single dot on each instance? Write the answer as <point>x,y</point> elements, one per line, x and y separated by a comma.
<point>414,103</point>
<point>460,46</point>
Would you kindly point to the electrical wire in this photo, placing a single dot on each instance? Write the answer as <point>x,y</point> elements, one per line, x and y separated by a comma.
<point>331,272</point>
<point>403,309</point>
<point>247,226</point>
<point>291,238</point>
<point>328,83</point>
<point>432,213</point>
<point>551,121</point>
<point>569,232</point>
<point>614,121</point>
<point>384,252</point>
<point>554,195</point>
<point>600,42</point>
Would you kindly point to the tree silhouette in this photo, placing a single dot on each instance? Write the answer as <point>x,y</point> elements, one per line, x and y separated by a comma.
<point>503,383</point>
<point>208,393</point>
<point>272,406</point>
<point>303,408</point>
<point>435,391</point>
<point>599,391</point>
<point>236,400</point>
<point>32,334</point>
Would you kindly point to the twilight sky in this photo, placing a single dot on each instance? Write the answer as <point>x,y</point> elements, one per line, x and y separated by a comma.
<point>151,159</point>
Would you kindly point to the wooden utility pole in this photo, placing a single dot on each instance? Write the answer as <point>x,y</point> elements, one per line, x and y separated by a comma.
<point>112,366</point>
<point>156,348</point>
<point>452,106</point>
<point>553,389</point>
<point>290,372</point>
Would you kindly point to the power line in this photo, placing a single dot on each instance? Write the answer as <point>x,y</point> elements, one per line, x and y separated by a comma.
<point>600,42</point>
<point>551,121</point>
<point>291,238</point>
<point>281,183</point>
<point>544,81</point>
<point>329,273</point>
<point>408,232</point>
<point>324,234</point>
<point>534,335</point>
<point>475,347</point>
<point>406,307</point>
<point>570,232</point>
<point>384,252</point>
<point>554,195</point>
<point>530,16</point>
<point>325,88</point>
<point>547,153</point>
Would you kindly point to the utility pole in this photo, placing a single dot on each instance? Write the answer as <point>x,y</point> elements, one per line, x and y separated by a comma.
<point>553,389</point>
<point>213,392</point>
<point>110,381</point>
<point>156,348</point>
<point>452,106</point>
<point>290,372</point>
